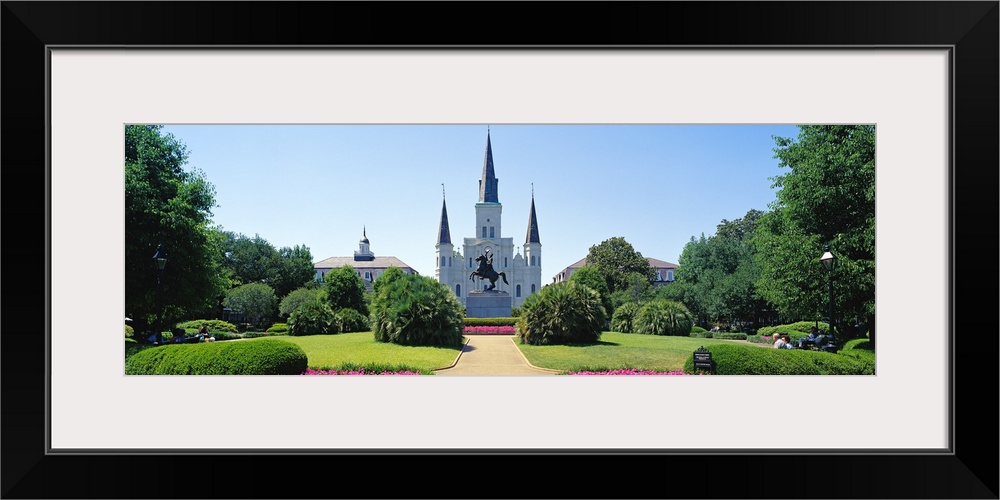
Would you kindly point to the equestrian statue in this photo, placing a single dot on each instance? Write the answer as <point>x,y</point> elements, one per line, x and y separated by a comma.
<point>486,271</point>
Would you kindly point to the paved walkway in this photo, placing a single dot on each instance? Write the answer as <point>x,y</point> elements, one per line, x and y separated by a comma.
<point>492,355</point>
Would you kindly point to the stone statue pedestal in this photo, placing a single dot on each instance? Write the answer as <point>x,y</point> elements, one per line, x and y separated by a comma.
<point>487,304</point>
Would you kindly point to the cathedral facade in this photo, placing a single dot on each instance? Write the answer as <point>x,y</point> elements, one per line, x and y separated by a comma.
<point>523,273</point>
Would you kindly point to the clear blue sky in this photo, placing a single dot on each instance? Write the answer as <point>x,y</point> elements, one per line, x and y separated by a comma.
<point>320,185</point>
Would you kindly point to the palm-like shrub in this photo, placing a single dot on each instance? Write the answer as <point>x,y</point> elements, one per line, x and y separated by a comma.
<point>562,313</point>
<point>313,318</point>
<point>663,317</point>
<point>623,320</point>
<point>416,310</point>
<point>352,320</point>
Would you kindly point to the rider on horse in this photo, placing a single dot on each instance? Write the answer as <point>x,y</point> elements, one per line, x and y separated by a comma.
<point>486,271</point>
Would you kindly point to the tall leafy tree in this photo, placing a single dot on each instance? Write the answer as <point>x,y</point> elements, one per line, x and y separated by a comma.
<point>295,299</point>
<point>252,260</point>
<point>164,203</point>
<point>256,301</point>
<point>255,260</point>
<point>590,276</point>
<point>616,260</point>
<point>296,269</point>
<point>342,287</point>
<point>827,197</point>
<point>717,275</point>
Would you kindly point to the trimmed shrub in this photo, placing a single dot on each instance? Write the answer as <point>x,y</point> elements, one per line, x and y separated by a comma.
<point>698,329</point>
<point>129,332</point>
<point>509,321</point>
<point>623,319</point>
<point>313,318</point>
<point>562,313</point>
<point>741,359</point>
<point>416,310</point>
<point>794,330</point>
<point>729,335</point>
<point>663,317</point>
<point>213,325</point>
<point>352,321</point>
<point>219,336</point>
<point>278,329</point>
<point>254,335</point>
<point>252,357</point>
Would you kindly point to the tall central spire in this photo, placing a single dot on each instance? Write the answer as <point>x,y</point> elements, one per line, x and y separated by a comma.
<point>488,184</point>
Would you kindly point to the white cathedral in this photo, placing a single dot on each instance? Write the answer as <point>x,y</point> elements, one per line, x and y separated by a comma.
<point>523,272</point>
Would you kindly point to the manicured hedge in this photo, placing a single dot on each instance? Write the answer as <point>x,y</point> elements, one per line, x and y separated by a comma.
<point>278,328</point>
<point>794,330</point>
<point>509,321</point>
<point>246,357</point>
<point>213,325</point>
<point>736,359</point>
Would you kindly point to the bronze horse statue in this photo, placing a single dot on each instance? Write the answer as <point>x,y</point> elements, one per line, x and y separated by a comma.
<point>487,272</point>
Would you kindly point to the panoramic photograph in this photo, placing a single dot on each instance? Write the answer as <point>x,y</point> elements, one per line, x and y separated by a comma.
<point>499,249</point>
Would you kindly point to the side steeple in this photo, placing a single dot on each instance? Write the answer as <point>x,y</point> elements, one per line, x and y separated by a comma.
<point>444,233</point>
<point>488,184</point>
<point>532,236</point>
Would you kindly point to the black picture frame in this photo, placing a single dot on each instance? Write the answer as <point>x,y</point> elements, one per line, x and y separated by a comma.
<point>969,28</point>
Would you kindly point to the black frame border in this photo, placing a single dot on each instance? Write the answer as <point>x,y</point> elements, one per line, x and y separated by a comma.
<point>31,29</point>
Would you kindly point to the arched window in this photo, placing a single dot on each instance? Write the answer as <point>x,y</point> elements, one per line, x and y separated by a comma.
<point>458,290</point>
<point>532,260</point>
<point>492,235</point>
<point>518,291</point>
<point>484,231</point>
<point>449,261</point>
<point>532,288</point>
<point>470,261</point>
<point>505,262</point>
<point>442,261</point>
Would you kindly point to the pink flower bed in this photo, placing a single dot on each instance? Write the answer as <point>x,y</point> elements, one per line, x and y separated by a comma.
<point>628,371</point>
<point>502,330</point>
<point>310,371</point>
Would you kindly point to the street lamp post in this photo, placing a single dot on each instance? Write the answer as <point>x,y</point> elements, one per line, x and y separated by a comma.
<point>160,259</point>
<point>829,262</point>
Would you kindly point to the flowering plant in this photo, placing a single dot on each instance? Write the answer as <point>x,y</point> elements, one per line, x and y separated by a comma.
<point>359,371</point>
<point>502,330</point>
<point>628,371</point>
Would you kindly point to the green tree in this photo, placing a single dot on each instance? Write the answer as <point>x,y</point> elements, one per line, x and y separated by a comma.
<point>296,298</point>
<point>164,203</point>
<point>255,260</point>
<point>344,288</point>
<point>387,276</point>
<point>410,309</point>
<point>616,260</point>
<point>562,313</point>
<point>717,275</point>
<point>592,277</point>
<point>827,197</point>
<point>295,270</point>
<point>256,301</point>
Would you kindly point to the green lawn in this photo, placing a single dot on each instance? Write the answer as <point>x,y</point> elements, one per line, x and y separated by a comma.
<point>333,351</point>
<point>621,350</point>
<point>614,350</point>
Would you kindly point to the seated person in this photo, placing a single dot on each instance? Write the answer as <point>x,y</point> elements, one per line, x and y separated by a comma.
<point>811,339</point>
<point>780,341</point>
